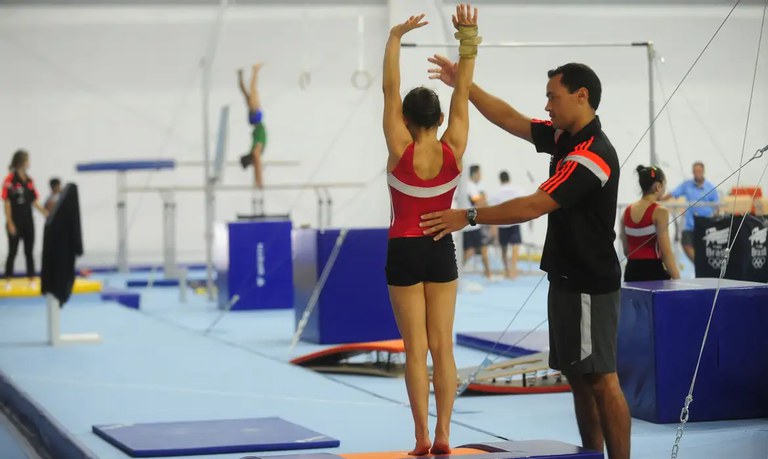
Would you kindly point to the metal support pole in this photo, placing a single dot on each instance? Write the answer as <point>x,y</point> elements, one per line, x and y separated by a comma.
<point>328,208</point>
<point>320,204</point>
<point>651,105</point>
<point>183,285</point>
<point>257,202</point>
<point>169,234</point>
<point>122,224</point>
<point>54,319</point>
<point>210,214</point>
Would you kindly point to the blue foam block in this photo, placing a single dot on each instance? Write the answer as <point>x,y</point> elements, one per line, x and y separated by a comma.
<point>661,328</point>
<point>260,272</point>
<point>354,304</point>
<point>126,298</point>
<point>506,345</point>
<point>211,437</point>
<point>130,165</point>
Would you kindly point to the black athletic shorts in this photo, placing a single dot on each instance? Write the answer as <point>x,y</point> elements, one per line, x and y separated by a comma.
<point>411,260</point>
<point>645,270</point>
<point>582,329</point>
<point>473,240</point>
<point>510,235</point>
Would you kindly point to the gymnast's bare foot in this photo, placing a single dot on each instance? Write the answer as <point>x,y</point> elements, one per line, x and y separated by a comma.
<point>441,447</point>
<point>421,449</point>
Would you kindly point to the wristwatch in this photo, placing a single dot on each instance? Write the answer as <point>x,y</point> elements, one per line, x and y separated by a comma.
<point>471,216</point>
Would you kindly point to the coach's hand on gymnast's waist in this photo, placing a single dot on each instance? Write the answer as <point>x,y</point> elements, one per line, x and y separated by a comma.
<point>444,222</point>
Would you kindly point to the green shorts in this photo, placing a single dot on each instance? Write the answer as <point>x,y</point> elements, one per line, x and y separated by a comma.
<point>259,136</point>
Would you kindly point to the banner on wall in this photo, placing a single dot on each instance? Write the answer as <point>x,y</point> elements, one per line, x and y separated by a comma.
<point>749,252</point>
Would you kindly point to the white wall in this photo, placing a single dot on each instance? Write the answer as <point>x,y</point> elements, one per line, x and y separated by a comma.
<point>87,83</point>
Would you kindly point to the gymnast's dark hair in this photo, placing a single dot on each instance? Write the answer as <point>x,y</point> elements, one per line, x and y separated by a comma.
<point>648,176</point>
<point>421,107</point>
<point>575,76</point>
<point>18,160</point>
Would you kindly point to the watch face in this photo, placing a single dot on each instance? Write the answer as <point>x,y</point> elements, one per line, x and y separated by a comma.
<point>471,215</point>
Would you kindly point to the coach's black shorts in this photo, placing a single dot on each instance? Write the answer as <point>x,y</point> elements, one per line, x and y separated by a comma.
<point>582,329</point>
<point>510,235</point>
<point>411,260</point>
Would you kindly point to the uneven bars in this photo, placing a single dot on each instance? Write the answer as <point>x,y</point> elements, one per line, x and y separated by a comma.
<point>516,44</point>
<point>274,162</point>
<point>283,186</point>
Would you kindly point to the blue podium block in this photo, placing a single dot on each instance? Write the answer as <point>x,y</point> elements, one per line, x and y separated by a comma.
<point>260,270</point>
<point>661,328</point>
<point>353,305</point>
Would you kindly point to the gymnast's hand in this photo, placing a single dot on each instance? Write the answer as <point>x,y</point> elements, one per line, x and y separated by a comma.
<point>464,16</point>
<point>11,229</point>
<point>446,69</point>
<point>413,22</point>
<point>444,222</point>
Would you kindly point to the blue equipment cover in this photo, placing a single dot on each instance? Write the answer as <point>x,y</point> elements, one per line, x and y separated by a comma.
<point>661,327</point>
<point>353,306</point>
<point>260,272</point>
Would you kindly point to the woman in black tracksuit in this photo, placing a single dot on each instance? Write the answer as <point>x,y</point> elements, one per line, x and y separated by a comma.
<point>20,195</point>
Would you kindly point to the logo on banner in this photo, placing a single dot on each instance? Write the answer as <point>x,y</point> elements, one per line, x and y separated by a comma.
<point>716,242</point>
<point>260,271</point>
<point>759,251</point>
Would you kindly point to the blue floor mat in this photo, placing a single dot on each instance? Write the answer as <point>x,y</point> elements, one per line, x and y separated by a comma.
<point>212,437</point>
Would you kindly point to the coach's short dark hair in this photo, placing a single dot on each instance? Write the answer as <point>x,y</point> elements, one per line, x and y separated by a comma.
<point>575,76</point>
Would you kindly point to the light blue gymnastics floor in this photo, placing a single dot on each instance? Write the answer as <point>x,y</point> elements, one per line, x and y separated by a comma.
<point>158,364</point>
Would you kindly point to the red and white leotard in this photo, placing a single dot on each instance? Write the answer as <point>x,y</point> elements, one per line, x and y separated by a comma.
<point>412,196</point>
<point>638,235</point>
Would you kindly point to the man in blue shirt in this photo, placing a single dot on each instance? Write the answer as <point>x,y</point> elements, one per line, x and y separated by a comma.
<point>693,190</point>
